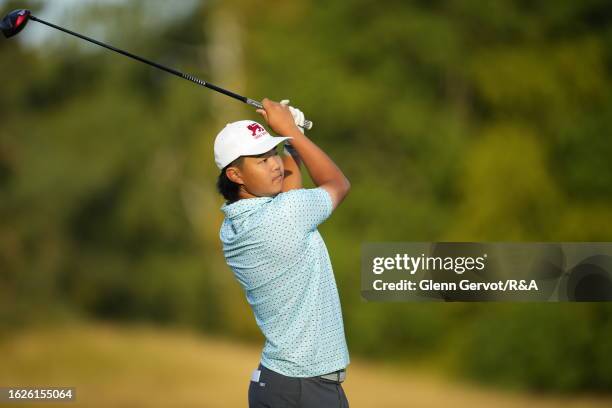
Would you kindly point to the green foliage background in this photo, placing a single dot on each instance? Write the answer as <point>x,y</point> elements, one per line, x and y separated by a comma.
<point>454,120</point>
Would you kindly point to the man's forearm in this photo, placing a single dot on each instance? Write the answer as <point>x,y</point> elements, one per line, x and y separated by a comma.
<point>320,166</point>
<point>290,150</point>
<point>322,169</point>
<point>293,175</point>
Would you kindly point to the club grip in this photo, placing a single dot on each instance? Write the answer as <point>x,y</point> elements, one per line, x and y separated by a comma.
<point>258,105</point>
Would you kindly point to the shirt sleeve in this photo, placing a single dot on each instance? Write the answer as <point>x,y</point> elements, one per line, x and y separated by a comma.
<point>305,208</point>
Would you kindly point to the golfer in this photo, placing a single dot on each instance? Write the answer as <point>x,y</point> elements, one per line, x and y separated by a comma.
<point>271,243</point>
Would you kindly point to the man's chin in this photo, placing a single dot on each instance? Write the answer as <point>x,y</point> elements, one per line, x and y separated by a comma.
<point>273,193</point>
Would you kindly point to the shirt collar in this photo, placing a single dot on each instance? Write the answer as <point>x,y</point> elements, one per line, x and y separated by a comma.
<point>244,207</point>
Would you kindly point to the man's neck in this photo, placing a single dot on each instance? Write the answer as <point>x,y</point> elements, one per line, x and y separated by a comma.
<point>244,195</point>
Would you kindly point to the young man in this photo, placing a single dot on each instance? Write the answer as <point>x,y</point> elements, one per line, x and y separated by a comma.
<point>271,242</point>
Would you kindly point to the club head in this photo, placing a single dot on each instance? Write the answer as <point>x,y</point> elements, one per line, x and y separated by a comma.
<point>14,22</point>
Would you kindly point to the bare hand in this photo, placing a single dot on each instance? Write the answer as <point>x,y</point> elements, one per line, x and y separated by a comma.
<point>278,117</point>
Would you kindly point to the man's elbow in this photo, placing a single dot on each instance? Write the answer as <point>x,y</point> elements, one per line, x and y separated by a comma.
<point>347,186</point>
<point>344,188</point>
<point>338,190</point>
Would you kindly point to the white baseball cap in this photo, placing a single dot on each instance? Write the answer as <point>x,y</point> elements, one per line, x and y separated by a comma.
<point>243,138</point>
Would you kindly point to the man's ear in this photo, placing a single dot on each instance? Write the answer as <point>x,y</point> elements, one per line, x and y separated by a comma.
<point>233,173</point>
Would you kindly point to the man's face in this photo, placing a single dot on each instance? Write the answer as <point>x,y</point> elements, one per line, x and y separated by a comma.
<point>261,175</point>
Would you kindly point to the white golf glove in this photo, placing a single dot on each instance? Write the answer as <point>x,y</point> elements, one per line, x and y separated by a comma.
<point>298,115</point>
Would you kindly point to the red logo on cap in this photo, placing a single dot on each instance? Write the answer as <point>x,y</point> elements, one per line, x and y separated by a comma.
<point>256,130</point>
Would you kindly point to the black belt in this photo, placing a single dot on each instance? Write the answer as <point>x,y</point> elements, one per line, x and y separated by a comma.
<point>337,376</point>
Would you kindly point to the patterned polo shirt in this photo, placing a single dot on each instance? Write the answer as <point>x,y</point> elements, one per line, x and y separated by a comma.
<point>279,258</point>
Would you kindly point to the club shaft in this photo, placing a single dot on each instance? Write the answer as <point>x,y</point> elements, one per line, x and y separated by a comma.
<point>146,61</point>
<point>249,101</point>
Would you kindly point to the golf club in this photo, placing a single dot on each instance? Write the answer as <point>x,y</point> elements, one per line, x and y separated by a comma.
<point>16,20</point>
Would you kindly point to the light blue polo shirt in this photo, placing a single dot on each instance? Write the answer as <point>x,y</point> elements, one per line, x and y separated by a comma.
<point>279,258</point>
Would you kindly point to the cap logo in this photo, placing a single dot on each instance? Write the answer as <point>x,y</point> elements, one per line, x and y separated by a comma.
<point>256,130</point>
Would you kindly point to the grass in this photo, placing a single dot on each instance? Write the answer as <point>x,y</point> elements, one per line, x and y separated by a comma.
<point>136,366</point>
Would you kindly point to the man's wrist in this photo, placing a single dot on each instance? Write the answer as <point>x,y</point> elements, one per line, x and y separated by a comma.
<point>294,133</point>
<point>289,148</point>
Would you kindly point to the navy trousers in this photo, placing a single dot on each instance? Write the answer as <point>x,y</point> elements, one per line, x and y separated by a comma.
<point>274,390</point>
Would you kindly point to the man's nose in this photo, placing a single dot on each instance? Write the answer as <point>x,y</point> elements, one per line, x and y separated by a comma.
<point>276,163</point>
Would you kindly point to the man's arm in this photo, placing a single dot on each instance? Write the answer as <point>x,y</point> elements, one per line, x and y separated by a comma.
<point>322,169</point>
<point>293,175</point>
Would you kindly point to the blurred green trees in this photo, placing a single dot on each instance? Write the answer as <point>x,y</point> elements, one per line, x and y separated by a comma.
<point>454,120</point>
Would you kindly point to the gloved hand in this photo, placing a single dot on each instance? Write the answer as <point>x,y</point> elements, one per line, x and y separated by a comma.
<point>298,115</point>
